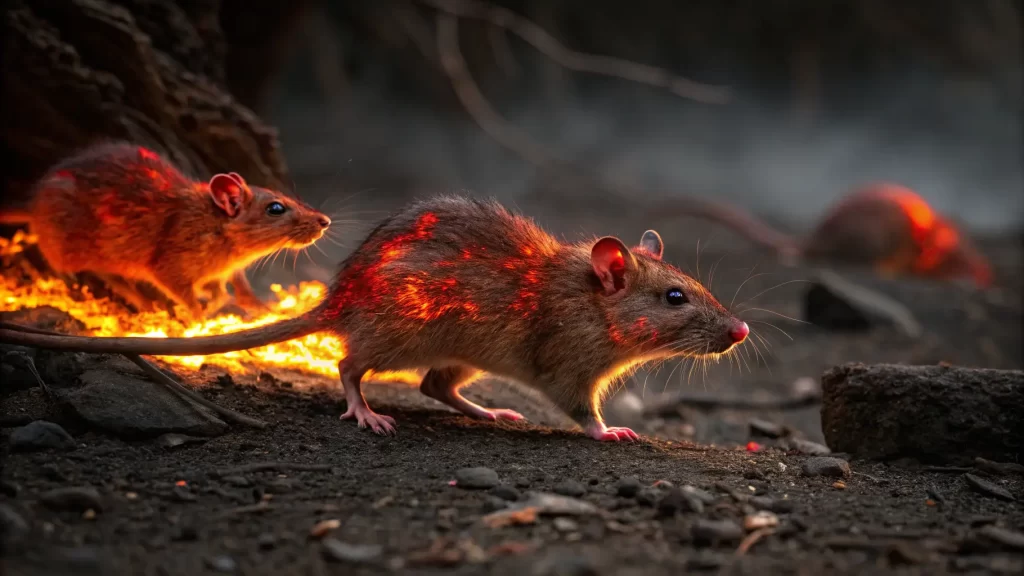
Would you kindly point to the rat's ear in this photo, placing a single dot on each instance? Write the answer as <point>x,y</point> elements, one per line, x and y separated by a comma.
<point>611,260</point>
<point>651,243</point>
<point>228,194</point>
<point>238,178</point>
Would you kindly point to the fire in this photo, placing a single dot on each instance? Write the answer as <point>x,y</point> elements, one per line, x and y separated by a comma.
<point>314,354</point>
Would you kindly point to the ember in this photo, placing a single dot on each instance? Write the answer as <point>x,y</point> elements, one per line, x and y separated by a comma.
<point>315,353</point>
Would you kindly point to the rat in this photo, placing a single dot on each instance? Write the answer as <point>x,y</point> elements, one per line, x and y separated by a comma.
<point>126,214</point>
<point>462,286</point>
<point>886,226</point>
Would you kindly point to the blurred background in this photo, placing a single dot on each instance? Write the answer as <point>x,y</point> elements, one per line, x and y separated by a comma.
<point>582,114</point>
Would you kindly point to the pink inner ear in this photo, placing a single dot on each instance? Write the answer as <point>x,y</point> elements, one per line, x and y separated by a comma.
<point>608,258</point>
<point>226,193</point>
<point>241,181</point>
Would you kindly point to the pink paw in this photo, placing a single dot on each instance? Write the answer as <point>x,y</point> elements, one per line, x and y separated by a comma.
<point>502,414</point>
<point>604,434</point>
<point>379,423</point>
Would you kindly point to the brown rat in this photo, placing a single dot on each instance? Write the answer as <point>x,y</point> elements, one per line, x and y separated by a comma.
<point>885,226</point>
<point>126,214</point>
<point>461,286</point>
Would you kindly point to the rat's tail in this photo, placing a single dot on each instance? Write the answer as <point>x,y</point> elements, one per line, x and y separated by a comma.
<point>736,218</point>
<point>15,216</point>
<point>252,338</point>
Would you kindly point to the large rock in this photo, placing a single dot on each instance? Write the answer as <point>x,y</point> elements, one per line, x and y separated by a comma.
<point>929,413</point>
<point>113,394</point>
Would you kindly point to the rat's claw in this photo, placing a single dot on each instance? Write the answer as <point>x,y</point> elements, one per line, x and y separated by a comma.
<point>379,423</point>
<point>503,414</point>
<point>616,434</point>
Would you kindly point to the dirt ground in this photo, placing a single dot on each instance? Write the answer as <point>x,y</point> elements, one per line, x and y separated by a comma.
<point>185,511</point>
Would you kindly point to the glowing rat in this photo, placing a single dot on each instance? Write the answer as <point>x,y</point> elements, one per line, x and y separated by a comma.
<point>126,214</point>
<point>460,287</point>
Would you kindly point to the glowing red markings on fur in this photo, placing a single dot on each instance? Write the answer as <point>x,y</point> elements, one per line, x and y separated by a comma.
<point>148,154</point>
<point>638,333</point>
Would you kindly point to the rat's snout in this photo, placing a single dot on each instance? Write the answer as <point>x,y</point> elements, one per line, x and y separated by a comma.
<point>738,331</point>
<point>324,221</point>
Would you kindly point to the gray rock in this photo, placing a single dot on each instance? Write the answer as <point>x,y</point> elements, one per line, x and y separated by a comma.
<point>648,495</point>
<point>705,531</point>
<point>563,524</point>
<point>628,487</point>
<point>558,505</point>
<point>702,495</point>
<point>676,500</point>
<point>939,414</point>
<point>78,498</point>
<point>115,396</point>
<point>41,435</point>
<point>571,488</point>
<point>506,492</point>
<point>765,428</point>
<point>354,553</point>
<point>777,505</point>
<point>222,563</point>
<point>826,466</point>
<point>478,478</point>
<point>808,447</point>
<point>266,541</point>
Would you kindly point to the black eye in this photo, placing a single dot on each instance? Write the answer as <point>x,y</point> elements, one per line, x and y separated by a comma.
<point>276,209</point>
<point>675,297</point>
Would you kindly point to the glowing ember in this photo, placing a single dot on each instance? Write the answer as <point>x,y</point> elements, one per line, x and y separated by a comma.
<point>315,353</point>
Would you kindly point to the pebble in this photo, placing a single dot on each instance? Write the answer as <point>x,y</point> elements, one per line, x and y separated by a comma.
<point>558,505</point>
<point>570,488</point>
<point>702,495</point>
<point>777,505</point>
<point>173,440</point>
<point>563,524</point>
<point>493,504</point>
<point>628,487</point>
<point>808,447</point>
<point>826,466</point>
<point>41,435</point>
<point>238,481</point>
<point>183,494</point>
<point>704,530</point>
<point>345,552</point>
<point>648,496</point>
<point>762,519</point>
<point>266,541</point>
<point>506,492</point>
<point>678,500</point>
<point>79,499</point>
<point>765,428</point>
<point>221,563</point>
<point>479,478</point>
<point>985,487</point>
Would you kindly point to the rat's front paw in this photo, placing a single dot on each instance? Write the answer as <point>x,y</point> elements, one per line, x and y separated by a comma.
<point>379,423</point>
<point>615,434</point>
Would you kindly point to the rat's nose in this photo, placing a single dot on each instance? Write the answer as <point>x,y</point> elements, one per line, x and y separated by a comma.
<point>739,332</point>
<point>324,221</point>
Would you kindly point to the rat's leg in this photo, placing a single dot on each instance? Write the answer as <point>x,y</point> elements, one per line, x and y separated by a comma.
<point>181,292</point>
<point>126,290</point>
<point>244,295</point>
<point>442,384</point>
<point>351,380</point>
<point>584,409</point>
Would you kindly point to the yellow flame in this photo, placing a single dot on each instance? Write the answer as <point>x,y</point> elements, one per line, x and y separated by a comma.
<point>314,353</point>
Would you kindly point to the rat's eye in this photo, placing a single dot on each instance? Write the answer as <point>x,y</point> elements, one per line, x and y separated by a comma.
<point>276,209</point>
<point>675,297</point>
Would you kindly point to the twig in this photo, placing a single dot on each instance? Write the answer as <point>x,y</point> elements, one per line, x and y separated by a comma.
<point>473,100</point>
<point>160,378</point>
<point>579,61</point>
<point>753,538</point>
<point>278,466</point>
<point>948,469</point>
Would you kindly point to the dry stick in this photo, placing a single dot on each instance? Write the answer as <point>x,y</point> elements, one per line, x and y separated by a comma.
<point>548,45</point>
<point>160,378</point>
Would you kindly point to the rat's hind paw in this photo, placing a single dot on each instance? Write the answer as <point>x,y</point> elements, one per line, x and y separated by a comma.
<point>503,414</point>
<point>616,434</point>
<point>379,423</point>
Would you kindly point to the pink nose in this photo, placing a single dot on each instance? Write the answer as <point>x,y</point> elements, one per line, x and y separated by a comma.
<point>739,332</point>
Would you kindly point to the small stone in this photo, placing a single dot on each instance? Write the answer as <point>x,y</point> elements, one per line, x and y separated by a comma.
<point>321,528</point>
<point>78,499</point>
<point>506,492</point>
<point>563,524</point>
<point>557,505</point>
<point>237,481</point>
<point>674,501</point>
<point>648,496</point>
<point>826,466</point>
<point>628,487</point>
<point>131,495</point>
<point>839,485</point>
<point>354,553</point>
<point>777,505</point>
<point>173,440</point>
<point>765,428</point>
<point>182,494</point>
<point>266,541</point>
<point>702,495</point>
<point>808,447</point>
<point>41,435</point>
<point>280,486</point>
<point>570,488</point>
<point>704,530</point>
<point>493,504</point>
<point>479,478</point>
<point>762,519</point>
<point>985,487</point>
<point>221,563</point>
<point>89,514</point>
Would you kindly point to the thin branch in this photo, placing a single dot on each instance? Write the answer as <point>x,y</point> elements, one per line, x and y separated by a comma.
<point>579,61</point>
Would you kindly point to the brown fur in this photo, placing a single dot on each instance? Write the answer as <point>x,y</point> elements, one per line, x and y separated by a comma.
<point>461,286</point>
<point>127,214</point>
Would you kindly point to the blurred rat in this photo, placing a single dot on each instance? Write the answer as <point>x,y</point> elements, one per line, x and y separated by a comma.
<point>126,214</point>
<point>885,226</point>
<point>461,286</point>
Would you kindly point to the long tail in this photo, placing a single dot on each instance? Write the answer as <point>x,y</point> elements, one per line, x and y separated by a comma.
<point>252,338</point>
<point>15,216</point>
<point>734,217</point>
